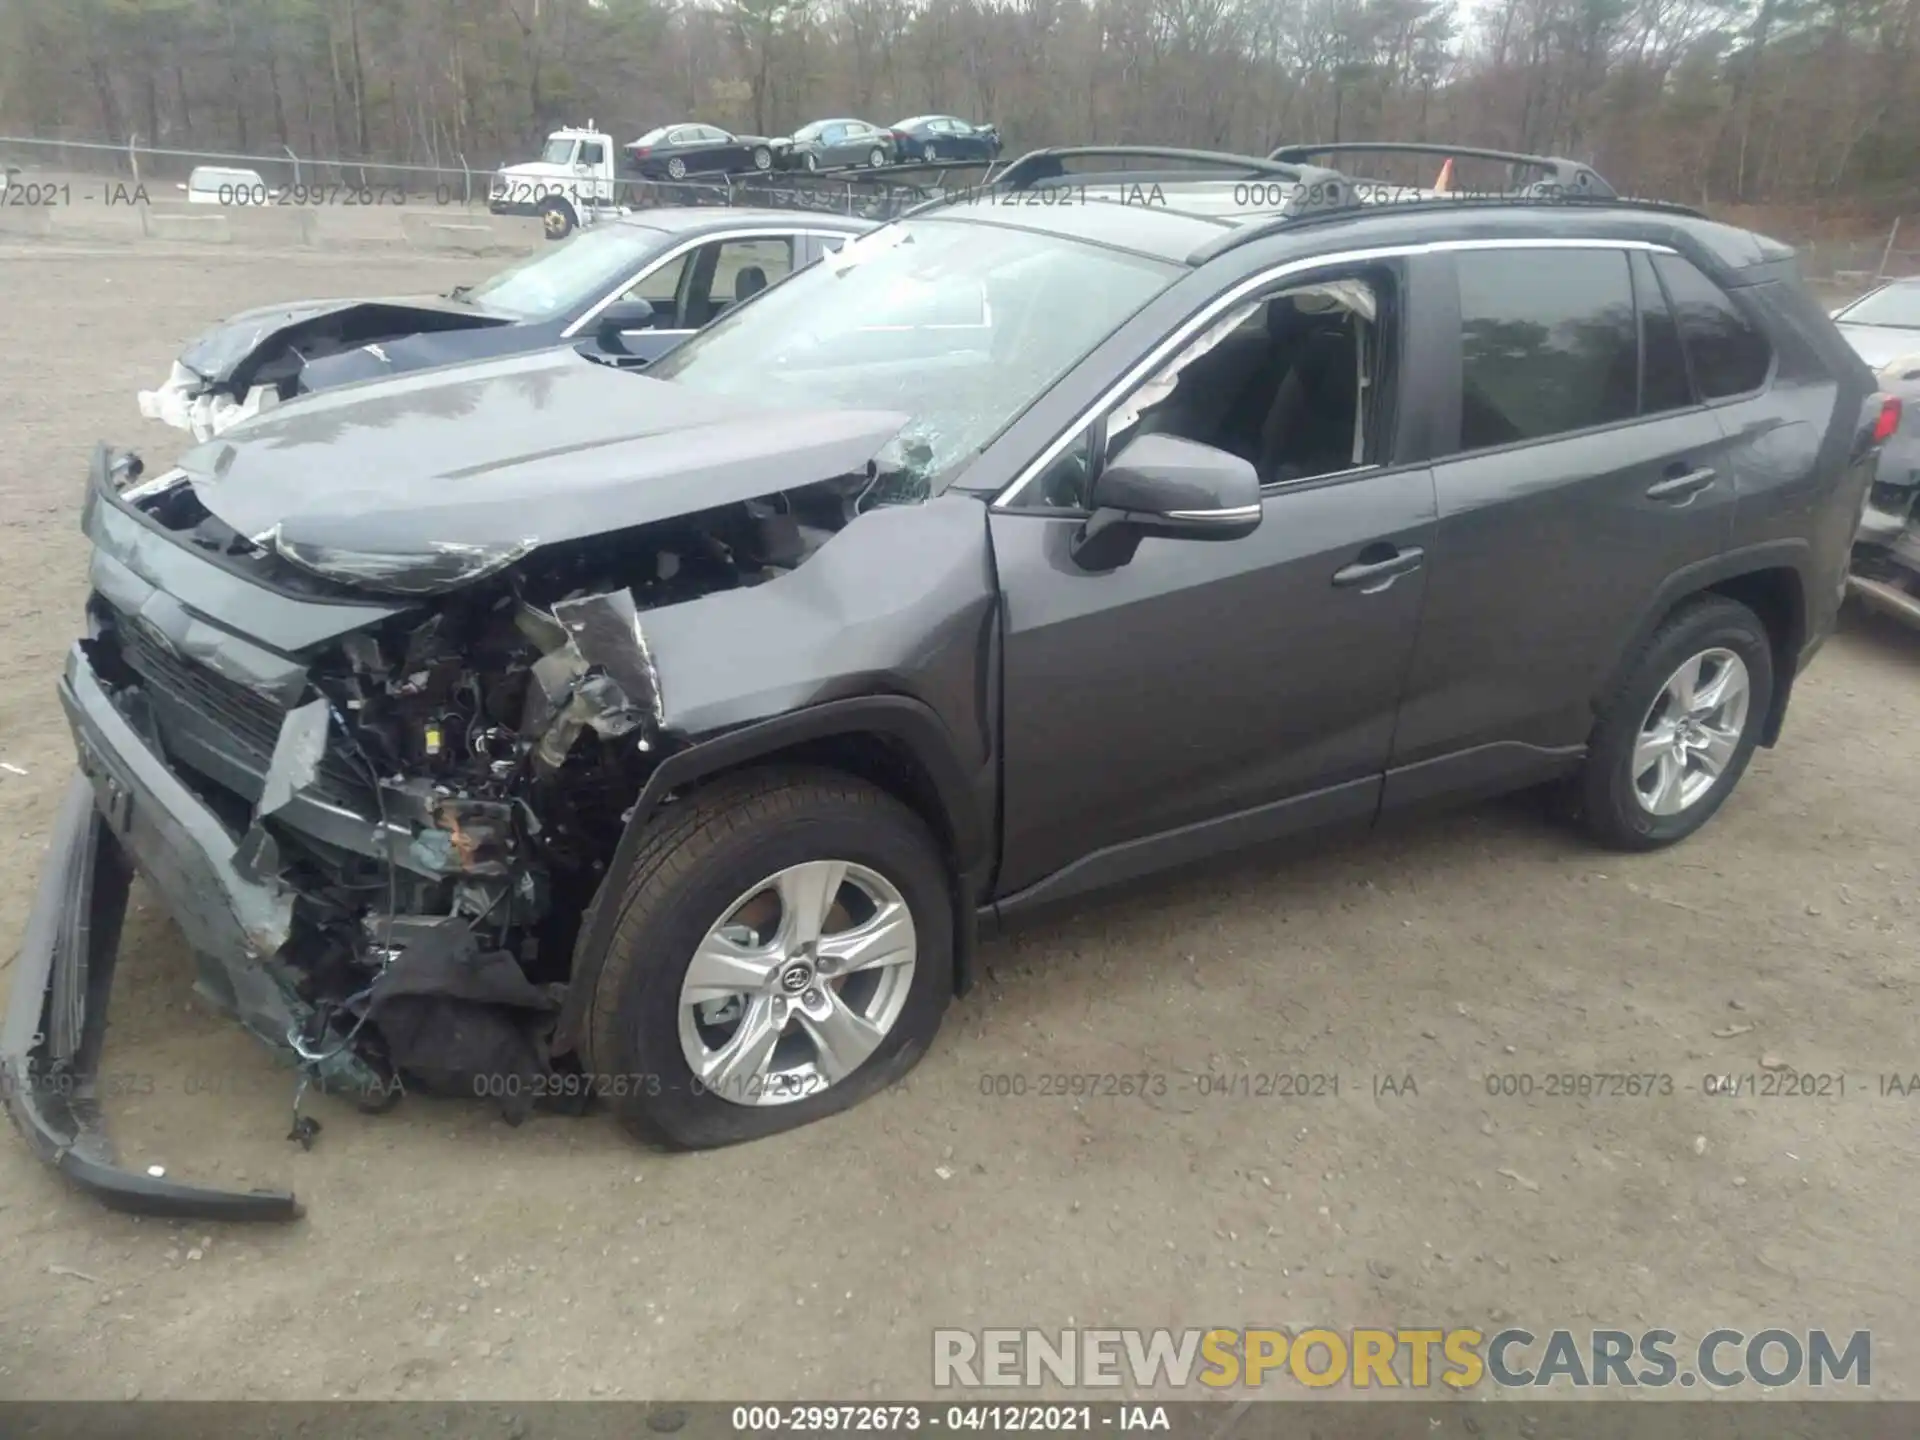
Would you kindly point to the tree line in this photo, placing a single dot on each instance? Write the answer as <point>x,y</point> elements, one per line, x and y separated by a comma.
<point>1707,101</point>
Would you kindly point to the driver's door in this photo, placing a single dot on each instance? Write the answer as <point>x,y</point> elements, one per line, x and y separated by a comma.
<point>1203,696</point>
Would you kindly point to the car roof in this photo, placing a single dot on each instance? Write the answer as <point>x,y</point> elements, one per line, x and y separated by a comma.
<point>691,219</point>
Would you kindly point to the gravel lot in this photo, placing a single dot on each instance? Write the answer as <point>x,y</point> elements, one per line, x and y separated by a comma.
<point>447,1255</point>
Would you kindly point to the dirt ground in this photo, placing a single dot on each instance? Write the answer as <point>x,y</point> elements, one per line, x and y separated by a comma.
<point>447,1255</point>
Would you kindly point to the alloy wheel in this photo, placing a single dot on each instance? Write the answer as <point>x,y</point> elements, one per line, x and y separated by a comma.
<point>1691,732</point>
<point>800,980</point>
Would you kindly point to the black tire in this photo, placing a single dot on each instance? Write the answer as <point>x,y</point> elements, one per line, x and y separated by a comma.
<point>929,154</point>
<point>762,158</point>
<point>876,157</point>
<point>676,169</point>
<point>813,161</point>
<point>702,853</point>
<point>557,220</point>
<point>1606,802</point>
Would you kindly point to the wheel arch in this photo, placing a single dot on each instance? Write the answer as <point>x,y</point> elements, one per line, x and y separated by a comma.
<point>893,742</point>
<point>1771,581</point>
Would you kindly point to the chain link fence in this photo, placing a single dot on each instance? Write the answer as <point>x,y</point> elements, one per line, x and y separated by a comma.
<point>302,179</point>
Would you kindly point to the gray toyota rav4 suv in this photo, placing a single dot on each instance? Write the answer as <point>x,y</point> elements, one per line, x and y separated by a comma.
<point>544,731</point>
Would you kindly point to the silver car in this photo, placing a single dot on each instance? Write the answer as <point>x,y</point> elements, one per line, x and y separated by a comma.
<point>1883,327</point>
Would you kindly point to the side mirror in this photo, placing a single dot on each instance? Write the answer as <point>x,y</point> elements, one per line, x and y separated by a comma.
<point>1163,485</point>
<point>620,316</point>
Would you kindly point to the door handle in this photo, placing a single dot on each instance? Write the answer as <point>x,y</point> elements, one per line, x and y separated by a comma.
<point>1373,576</point>
<point>1682,486</point>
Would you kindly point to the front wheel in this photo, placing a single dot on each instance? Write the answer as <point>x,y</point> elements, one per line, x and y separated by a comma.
<point>762,158</point>
<point>813,161</point>
<point>557,218</point>
<point>876,157</point>
<point>784,949</point>
<point>1677,734</point>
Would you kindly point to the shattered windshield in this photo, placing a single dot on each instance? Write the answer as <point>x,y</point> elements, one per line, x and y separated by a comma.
<point>961,326</point>
<point>567,276</point>
<point>1897,307</point>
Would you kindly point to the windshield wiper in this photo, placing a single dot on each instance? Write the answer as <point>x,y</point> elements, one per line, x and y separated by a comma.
<point>460,293</point>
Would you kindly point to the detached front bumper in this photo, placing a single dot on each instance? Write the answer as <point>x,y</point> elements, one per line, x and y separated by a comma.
<point>1884,573</point>
<point>124,811</point>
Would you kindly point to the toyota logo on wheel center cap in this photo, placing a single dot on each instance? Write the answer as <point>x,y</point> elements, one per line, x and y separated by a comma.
<point>796,977</point>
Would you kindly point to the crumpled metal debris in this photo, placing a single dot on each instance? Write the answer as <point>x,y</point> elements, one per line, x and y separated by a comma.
<point>184,401</point>
<point>601,678</point>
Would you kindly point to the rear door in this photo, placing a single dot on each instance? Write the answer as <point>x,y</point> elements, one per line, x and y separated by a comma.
<point>1575,473</point>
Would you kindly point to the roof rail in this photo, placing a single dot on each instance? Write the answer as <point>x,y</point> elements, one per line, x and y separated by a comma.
<point>1320,189</point>
<point>1039,166</point>
<point>1572,177</point>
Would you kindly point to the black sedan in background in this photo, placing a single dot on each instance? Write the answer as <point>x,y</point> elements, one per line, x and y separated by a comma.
<point>828,143</point>
<point>944,137</point>
<point>626,290</point>
<point>674,152</point>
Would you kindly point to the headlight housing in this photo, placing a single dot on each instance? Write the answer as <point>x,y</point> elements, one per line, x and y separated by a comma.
<point>423,572</point>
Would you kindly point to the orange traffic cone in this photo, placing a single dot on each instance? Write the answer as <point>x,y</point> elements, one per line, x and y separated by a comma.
<point>1443,183</point>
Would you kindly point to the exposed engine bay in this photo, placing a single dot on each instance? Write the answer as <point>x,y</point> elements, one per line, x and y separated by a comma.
<point>427,804</point>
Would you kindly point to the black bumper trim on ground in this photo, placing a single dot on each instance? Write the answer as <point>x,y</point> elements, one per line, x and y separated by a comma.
<point>51,1038</point>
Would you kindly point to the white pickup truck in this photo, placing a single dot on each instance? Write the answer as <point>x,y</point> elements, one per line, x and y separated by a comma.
<point>571,184</point>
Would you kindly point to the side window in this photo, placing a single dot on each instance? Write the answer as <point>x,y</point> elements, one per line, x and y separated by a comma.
<point>1547,343</point>
<point>1728,355</point>
<point>1289,383</point>
<point>771,257</point>
<point>660,288</point>
<point>591,153</point>
<point>737,270</point>
<point>1663,366</point>
<point>1064,484</point>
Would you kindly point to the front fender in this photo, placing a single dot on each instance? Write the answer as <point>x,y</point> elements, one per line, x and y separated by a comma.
<point>889,630</point>
<point>967,829</point>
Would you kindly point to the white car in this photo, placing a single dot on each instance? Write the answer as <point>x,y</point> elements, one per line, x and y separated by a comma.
<point>225,185</point>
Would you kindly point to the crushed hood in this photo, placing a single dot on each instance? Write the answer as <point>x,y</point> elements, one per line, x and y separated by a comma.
<point>418,352</point>
<point>229,348</point>
<point>506,455</point>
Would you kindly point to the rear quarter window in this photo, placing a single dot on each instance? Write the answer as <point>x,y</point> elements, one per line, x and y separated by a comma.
<point>1727,354</point>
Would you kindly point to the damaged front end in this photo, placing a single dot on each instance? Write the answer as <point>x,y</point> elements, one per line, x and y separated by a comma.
<point>256,359</point>
<point>377,798</point>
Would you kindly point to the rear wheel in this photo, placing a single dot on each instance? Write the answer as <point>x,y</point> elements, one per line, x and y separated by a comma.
<point>1677,734</point>
<point>876,157</point>
<point>784,949</point>
<point>676,169</point>
<point>928,154</point>
<point>762,158</point>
